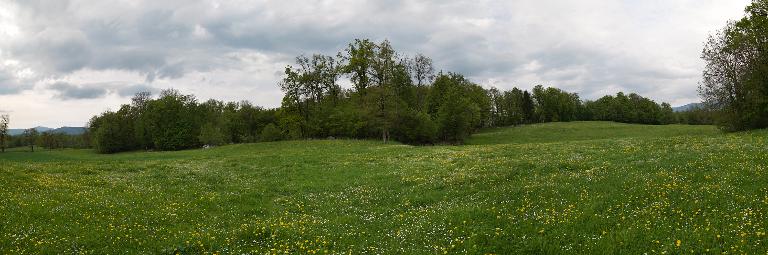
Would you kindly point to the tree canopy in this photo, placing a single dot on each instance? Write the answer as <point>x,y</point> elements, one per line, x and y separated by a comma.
<point>392,97</point>
<point>735,78</point>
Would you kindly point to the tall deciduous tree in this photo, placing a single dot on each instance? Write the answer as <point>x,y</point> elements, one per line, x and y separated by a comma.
<point>421,70</point>
<point>30,138</point>
<point>528,107</point>
<point>173,121</point>
<point>141,124</point>
<point>357,63</point>
<point>735,78</point>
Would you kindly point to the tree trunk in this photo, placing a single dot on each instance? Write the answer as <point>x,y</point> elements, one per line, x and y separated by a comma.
<point>384,135</point>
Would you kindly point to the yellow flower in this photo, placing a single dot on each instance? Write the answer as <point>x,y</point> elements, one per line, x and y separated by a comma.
<point>677,243</point>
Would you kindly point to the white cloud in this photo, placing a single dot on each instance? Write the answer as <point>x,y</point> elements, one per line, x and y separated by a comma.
<point>235,50</point>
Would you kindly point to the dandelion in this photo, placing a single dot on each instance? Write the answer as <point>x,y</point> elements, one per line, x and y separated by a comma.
<point>677,243</point>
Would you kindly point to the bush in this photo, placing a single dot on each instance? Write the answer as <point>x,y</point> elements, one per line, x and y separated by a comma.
<point>210,134</point>
<point>112,132</point>
<point>414,127</point>
<point>271,133</point>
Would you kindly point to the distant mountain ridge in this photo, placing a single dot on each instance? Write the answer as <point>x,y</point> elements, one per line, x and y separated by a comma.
<point>688,107</point>
<point>61,130</point>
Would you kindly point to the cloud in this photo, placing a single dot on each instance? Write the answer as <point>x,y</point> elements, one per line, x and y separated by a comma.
<point>8,83</point>
<point>14,78</point>
<point>235,50</point>
<point>67,91</point>
<point>131,90</point>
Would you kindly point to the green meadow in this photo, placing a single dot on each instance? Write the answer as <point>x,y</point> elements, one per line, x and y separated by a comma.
<point>555,188</point>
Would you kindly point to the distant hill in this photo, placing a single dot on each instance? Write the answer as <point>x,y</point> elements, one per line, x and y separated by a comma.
<point>61,130</point>
<point>70,130</point>
<point>688,107</point>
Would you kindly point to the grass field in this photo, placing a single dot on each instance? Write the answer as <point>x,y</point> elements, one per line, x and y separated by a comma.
<point>582,187</point>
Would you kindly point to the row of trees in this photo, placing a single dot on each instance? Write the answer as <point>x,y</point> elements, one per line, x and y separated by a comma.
<point>696,116</point>
<point>32,138</point>
<point>631,108</point>
<point>392,97</point>
<point>174,121</point>
<point>735,79</point>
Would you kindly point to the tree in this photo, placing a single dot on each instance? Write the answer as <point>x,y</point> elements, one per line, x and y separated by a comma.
<point>440,88</point>
<point>357,59</point>
<point>30,138</point>
<point>270,133</point>
<point>455,117</point>
<point>415,127</point>
<point>173,121</point>
<point>4,120</point>
<point>47,140</point>
<point>509,106</point>
<point>735,77</point>
<point>113,131</point>
<point>553,104</point>
<point>141,128</point>
<point>628,109</point>
<point>382,108</point>
<point>421,70</point>
<point>210,134</point>
<point>667,114</point>
<point>528,107</point>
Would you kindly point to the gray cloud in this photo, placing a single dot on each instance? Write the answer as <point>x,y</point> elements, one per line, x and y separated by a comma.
<point>67,91</point>
<point>7,83</point>
<point>10,83</point>
<point>129,91</point>
<point>235,50</point>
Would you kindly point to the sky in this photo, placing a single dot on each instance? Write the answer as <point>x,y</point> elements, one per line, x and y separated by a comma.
<point>61,62</point>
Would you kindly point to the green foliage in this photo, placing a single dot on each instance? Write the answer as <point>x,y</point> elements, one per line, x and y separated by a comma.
<point>173,121</point>
<point>455,117</point>
<point>357,58</point>
<point>414,127</point>
<point>734,80</point>
<point>211,134</point>
<point>30,138</point>
<point>696,116</point>
<point>291,124</point>
<point>555,105</point>
<point>112,132</point>
<point>629,109</point>
<point>270,133</point>
<point>383,104</point>
<point>51,140</point>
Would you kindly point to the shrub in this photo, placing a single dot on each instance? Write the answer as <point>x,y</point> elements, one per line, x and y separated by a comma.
<point>271,133</point>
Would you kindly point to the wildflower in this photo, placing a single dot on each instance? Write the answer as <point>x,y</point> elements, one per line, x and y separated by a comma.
<point>677,243</point>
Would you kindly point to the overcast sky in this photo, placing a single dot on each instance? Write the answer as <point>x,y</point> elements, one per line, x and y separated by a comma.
<point>61,61</point>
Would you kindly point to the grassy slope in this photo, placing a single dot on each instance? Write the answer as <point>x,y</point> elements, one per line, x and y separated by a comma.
<point>580,131</point>
<point>551,188</point>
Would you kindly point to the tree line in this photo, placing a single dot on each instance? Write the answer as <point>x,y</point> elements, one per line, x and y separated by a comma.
<point>392,97</point>
<point>32,139</point>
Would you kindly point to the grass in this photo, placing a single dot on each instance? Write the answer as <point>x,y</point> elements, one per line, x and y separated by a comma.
<point>580,131</point>
<point>582,187</point>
